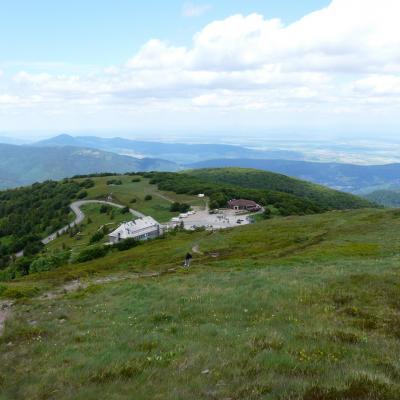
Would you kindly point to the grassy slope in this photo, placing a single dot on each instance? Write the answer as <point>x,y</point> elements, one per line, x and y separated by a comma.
<point>256,179</point>
<point>158,207</point>
<point>87,230</point>
<point>288,304</point>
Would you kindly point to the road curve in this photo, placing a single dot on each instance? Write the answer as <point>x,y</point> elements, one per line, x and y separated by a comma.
<point>80,216</point>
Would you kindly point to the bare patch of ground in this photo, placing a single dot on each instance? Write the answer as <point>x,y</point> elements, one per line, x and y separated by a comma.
<point>5,310</point>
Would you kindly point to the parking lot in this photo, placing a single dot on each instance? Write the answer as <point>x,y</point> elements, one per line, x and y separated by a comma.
<point>221,220</point>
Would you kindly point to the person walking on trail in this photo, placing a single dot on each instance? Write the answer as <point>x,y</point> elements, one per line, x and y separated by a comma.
<point>188,259</point>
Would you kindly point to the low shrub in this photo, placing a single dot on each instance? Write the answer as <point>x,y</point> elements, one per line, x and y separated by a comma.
<point>126,244</point>
<point>148,197</point>
<point>180,207</point>
<point>114,182</point>
<point>105,208</point>
<point>92,254</point>
<point>82,195</point>
<point>7,274</point>
<point>48,263</point>
<point>267,214</point>
<point>99,235</point>
<point>125,210</point>
<point>20,292</point>
<point>360,388</point>
<point>87,183</point>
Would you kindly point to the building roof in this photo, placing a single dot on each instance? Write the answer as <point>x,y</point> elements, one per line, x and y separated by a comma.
<point>242,203</point>
<point>135,228</point>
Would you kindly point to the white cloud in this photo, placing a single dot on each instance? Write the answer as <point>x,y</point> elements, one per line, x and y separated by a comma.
<point>343,57</point>
<point>381,85</point>
<point>195,10</point>
<point>156,54</point>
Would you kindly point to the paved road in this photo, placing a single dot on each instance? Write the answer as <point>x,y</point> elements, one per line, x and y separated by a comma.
<point>80,216</point>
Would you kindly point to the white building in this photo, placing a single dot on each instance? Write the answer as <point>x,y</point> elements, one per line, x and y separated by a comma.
<point>139,229</point>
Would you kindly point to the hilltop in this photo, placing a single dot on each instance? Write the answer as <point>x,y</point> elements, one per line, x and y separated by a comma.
<point>325,198</point>
<point>348,177</point>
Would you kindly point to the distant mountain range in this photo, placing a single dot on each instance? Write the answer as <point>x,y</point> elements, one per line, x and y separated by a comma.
<point>346,177</point>
<point>176,152</point>
<point>22,165</point>
<point>65,155</point>
<point>11,140</point>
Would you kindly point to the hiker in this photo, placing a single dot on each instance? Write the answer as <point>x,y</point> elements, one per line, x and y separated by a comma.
<point>188,259</point>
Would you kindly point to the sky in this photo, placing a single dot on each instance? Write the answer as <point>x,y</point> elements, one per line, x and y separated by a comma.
<point>279,69</point>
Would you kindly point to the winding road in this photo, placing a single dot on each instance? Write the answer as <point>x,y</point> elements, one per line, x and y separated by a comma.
<point>80,216</point>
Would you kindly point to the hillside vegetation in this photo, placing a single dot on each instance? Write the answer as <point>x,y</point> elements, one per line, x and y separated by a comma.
<point>348,177</point>
<point>387,198</point>
<point>301,308</point>
<point>254,179</point>
<point>29,214</point>
<point>287,195</point>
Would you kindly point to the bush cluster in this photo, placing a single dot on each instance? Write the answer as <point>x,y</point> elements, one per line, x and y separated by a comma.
<point>114,182</point>
<point>180,207</point>
<point>92,253</point>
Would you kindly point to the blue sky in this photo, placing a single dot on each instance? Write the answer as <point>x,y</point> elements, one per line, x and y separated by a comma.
<point>105,32</point>
<point>259,67</point>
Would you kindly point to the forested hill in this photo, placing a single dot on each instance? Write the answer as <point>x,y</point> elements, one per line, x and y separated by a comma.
<point>23,165</point>
<point>387,198</point>
<point>348,177</point>
<point>28,214</point>
<point>324,197</point>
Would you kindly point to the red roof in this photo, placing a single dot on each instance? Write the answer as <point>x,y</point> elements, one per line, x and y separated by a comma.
<point>242,203</point>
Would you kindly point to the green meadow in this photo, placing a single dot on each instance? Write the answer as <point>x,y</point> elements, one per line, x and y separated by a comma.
<point>133,194</point>
<point>94,222</point>
<point>290,308</point>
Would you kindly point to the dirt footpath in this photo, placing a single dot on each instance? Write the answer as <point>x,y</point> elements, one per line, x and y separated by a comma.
<point>5,309</point>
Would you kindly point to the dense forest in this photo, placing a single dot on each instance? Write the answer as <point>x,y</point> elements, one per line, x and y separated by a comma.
<point>288,196</point>
<point>325,198</point>
<point>28,214</point>
<point>219,194</point>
